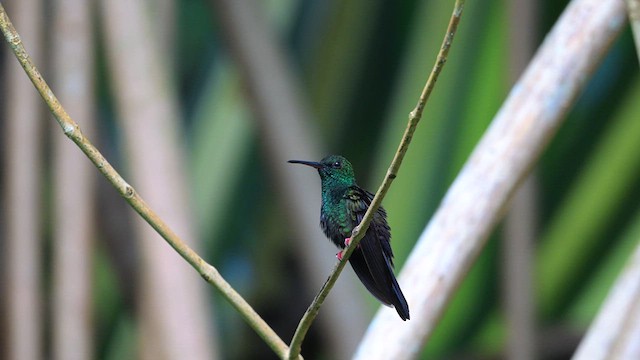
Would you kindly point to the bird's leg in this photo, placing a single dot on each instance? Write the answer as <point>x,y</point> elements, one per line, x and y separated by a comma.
<point>347,241</point>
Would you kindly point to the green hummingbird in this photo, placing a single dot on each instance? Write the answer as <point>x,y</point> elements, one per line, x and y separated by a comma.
<point>344,204</point>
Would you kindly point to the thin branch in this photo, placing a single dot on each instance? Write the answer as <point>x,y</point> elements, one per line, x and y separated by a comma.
<point>72,131</point>
<point>360,230</point>
<point>526,122</point>
<point>633,8</point>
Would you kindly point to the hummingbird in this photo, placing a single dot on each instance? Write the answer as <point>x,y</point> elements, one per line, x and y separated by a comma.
<point>344,204</point>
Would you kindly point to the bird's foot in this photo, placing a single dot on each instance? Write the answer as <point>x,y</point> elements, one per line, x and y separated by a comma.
<point>339,255</point>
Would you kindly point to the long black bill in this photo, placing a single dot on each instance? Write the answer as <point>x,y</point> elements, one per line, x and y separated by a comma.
<point>314,164</point>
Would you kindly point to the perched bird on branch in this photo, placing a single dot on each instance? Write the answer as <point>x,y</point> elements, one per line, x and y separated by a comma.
<point>344,204</point>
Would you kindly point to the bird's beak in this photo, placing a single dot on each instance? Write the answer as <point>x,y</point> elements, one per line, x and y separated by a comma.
<point>314,164</point>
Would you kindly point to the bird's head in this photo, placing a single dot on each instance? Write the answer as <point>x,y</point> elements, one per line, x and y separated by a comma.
<point>333,169</point>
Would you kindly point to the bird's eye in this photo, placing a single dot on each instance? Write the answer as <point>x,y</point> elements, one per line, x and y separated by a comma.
<point>337,165</point>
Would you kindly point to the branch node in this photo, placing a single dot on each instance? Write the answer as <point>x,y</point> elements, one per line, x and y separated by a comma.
<point>206,275</point>
<point>129,191</point>
<point>68,129</point>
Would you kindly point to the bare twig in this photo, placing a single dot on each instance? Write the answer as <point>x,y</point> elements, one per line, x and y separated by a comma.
<point>475,202</point>
<point>361,229</point>
<point>72,130</point>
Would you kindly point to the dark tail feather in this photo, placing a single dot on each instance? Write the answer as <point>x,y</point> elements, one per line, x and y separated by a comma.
<point>400,303</point>
<point>390,295</point>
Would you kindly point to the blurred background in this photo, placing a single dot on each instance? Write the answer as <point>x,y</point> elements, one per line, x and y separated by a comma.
<point>200,103</point>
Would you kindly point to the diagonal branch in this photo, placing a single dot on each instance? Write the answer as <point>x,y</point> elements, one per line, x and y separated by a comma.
<point>72,131</point>
<point>361,229</point>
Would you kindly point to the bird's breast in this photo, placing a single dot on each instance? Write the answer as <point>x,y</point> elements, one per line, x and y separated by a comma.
<point>334,222</point>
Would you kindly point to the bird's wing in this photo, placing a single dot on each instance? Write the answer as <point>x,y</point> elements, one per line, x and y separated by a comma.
<point>375,246</point>
<point>372,261</point>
